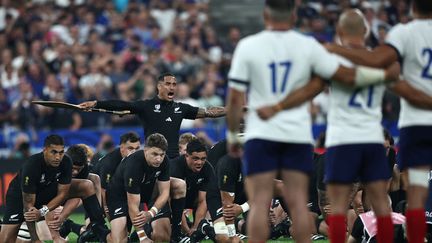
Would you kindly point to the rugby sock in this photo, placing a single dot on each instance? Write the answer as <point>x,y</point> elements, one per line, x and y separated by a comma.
<point>76,228</point>
<point>385,229</point>
<point>177,207</point>
<point>337,228</point>
<point>93,209</point>
<point>416,225</point>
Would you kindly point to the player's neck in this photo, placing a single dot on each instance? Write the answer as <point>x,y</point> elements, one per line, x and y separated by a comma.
<point>353,42</point>
<point>278,26</point>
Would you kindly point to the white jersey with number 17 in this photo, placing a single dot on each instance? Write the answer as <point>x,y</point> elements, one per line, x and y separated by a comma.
<point>270,65</point>
<point>413,42</point>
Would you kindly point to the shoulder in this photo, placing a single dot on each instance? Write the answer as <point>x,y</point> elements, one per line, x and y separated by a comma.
<point>34,161</point>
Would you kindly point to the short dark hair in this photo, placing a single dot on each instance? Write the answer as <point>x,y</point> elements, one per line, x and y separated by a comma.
<point>280,10</point>
<point>53,139</point>
<point>161,77</point>
<point>423,6</point>
<point>77,154</point>
<point>157,140</point>
<point>132,137</point>
<point>195,146</point>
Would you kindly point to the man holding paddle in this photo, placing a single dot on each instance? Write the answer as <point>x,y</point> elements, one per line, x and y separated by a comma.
<point>160,114</point>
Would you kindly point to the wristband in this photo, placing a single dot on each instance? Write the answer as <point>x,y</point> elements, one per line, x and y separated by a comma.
<point>151,213</point>
<point>245,207</point>
<point>141,235</point>
<point>231,230</point>
<point>155,210</point>
<point>232,137</point>
<point>44,210</point>
<point>366,76</point>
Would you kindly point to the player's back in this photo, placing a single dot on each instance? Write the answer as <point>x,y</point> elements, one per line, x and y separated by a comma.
<point>355,113</point>
<point>275,63</point>
<point>413,41</point>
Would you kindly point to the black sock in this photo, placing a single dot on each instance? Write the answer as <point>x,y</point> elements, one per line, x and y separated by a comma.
<point>76,228</point>
<point>93,209</point>
<point>177,207</point>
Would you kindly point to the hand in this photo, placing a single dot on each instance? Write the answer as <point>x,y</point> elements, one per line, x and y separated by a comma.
<point>267,112</point>
<point>392,73</point>
<point>141,219</point>
<point>329,46</point>
<point>230,212</point>
<point>88,105</point>
<point>236,239</point>
<point>55,222</point>
<point>146,240</point>
<point>327,209</point>
<point>191,231</point>
<point>32,215</point>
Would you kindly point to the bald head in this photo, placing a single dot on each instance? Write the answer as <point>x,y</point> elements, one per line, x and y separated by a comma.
<point>352,23</point>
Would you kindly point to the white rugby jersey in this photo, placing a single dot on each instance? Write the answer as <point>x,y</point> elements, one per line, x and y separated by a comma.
<point>270,65</point>
<point>413,41</point>
<point>354,115</point>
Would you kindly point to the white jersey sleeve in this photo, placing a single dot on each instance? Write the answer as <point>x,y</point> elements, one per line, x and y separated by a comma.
<point>239,74</point>
<point>413,42</point>
<point>324,64</point>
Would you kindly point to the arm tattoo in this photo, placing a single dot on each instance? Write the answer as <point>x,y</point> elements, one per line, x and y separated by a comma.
<point>211,112</point>
<point>29,200</point>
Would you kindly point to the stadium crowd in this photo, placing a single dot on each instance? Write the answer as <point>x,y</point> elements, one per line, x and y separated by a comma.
<point>83,50</point>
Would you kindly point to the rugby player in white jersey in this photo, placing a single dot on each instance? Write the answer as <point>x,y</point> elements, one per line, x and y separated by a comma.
<point>411,44</point>
<point>273,63</point>
<point>354,138</point>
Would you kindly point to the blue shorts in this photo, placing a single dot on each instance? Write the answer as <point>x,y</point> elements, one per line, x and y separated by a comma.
<point>415,146</point>
<point>263,156</point>
<point>356,162</point>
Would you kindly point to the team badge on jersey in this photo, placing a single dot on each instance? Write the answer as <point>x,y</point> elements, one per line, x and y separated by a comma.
<point>26,181</point>
<point>177,110</point>
<point>157,108</point>
<point>130,182</point>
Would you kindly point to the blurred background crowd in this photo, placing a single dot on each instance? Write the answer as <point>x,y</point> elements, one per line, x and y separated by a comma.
<point>78,50</point>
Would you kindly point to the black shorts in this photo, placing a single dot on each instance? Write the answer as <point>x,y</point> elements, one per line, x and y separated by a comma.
<point>14,203</point>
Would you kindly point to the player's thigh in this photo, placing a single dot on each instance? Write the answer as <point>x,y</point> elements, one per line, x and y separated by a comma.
<point>119,230</point>
<point>258,186</point>
<point>43,231</point>
<point>81,188</point>
<point>161,230</point>
<point>295,187</point>
<point>9,232</point>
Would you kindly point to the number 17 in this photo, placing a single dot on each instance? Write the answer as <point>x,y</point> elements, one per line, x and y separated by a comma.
<point>274,67</point>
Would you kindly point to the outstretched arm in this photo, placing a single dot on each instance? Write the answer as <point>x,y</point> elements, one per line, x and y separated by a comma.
<point>295,98</point>
<point>211,112</point>
<point>380,57</point>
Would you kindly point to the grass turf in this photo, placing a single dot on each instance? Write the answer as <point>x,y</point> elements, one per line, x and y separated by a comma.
<point>79,218</point>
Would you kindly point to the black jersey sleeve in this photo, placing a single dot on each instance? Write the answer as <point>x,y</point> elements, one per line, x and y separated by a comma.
<point>210,177</point>
<point>119,105</point>
<point>227,174</point>
<point>177,167</point>
<point>66,171</point>
<point>30,175</point>
<point>165,170</point>
<point>84,173</point>
<point>106,171</point>
<point>190,112</point>
<point>133,175</point>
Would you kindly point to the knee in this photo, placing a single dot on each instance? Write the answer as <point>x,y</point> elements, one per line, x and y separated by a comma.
<point>88,187</point>
<point>159,236</point>
<point>95,179</point>
<point>178,188</point>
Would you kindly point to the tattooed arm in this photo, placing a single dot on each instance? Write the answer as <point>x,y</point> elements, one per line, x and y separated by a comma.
<point>211,112</point>
<point>31,214</point>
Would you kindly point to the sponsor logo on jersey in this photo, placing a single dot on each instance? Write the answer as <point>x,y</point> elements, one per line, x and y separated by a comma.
<point>157,108</point>
<point>168,119</point>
